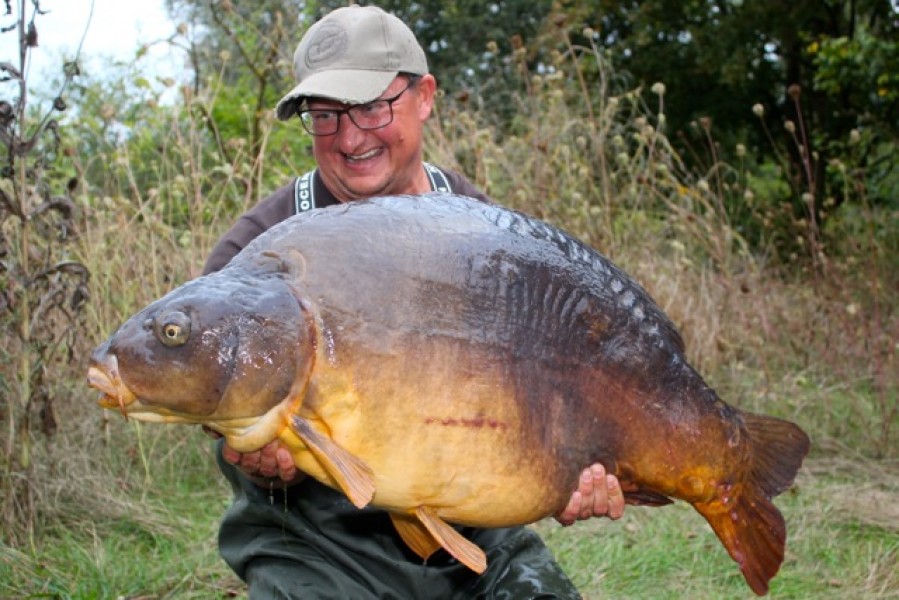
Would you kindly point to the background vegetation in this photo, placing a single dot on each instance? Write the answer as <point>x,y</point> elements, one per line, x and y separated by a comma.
<point>737,159</point>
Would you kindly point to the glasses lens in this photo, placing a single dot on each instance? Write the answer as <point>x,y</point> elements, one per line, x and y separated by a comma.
<point>372,115</point>
<point>320,122</point>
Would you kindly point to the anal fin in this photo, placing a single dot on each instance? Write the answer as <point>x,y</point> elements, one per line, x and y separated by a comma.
<point>351,473</point>
<point>415,534</point>
<point>752,530</point>
<point>466,552</point>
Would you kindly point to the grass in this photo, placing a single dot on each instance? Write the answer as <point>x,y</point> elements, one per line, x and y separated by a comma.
<point>139,521</point>
<point>132,535</point>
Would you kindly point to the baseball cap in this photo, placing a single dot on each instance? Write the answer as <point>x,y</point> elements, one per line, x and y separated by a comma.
<point>351,55</point>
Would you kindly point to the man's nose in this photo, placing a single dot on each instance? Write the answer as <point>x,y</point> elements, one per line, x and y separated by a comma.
<point>348,133</point>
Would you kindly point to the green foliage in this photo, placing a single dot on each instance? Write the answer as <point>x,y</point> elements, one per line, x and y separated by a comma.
<point>242,56</point>
<point>129,511</point>
<point>865,68</point>
<point>827,69</point>
<point>858,75</point>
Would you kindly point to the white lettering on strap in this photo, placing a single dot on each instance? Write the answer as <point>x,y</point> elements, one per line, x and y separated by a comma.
<point>304,193</point>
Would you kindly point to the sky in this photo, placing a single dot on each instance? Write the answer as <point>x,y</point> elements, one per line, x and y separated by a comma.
<point>116,28</point>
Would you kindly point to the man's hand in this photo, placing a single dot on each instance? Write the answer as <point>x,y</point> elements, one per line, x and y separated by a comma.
<point>597,495</point>
<point>272,461</point>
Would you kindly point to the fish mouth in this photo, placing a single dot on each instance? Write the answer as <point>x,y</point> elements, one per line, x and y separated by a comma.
<point>104,376</point>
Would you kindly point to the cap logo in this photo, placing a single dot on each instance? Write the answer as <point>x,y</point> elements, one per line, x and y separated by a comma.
<point>327,45</point>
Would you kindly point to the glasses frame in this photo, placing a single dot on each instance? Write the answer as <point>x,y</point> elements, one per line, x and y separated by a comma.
<point>348,111</point>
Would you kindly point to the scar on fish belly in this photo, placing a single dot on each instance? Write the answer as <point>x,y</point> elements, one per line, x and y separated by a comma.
<point>477,422</point>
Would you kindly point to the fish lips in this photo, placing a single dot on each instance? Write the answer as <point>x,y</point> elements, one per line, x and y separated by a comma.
<point>103,375</point>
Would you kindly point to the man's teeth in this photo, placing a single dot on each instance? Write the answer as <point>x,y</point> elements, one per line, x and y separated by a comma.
<point>363,156</point>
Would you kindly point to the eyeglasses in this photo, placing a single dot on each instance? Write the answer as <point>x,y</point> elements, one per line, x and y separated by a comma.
<point>372,115</point>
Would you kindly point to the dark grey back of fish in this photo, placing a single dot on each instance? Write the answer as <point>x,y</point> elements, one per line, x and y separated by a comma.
<point>465,268</point>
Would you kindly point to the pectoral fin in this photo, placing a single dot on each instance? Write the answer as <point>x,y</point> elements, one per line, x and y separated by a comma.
<point>416,536</point>
<point>350,472</point>
<point>463,550</point>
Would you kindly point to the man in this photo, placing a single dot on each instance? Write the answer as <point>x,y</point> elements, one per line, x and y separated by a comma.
<point>364,94</point>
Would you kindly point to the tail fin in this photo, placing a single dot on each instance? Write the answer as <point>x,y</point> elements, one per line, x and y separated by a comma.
<point>778,448</point>
<point>745,520</point>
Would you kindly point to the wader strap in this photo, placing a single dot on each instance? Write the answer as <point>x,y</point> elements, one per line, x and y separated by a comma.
<point>439,182</point>
<point>304,193</point>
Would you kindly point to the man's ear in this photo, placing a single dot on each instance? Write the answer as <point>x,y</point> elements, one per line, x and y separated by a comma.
<point>426,87</point>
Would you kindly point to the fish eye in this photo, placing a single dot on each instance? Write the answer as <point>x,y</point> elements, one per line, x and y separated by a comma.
<point>173,329</point>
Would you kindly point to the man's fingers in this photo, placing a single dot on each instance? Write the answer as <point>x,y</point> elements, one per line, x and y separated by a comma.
<point>569,515</point>
<point>231,455</point>
<point>600,493</point>
<point>272,461</point>
<point>268,463</point>
<point>249,462</point>
<point>246,462</point>
<point>616,497</point>
<point>287,469</point>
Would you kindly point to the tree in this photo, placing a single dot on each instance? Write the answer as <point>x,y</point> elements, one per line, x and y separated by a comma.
<point>242,58</point>
<point>719,58</point>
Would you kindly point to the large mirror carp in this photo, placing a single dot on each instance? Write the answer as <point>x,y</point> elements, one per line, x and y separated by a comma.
<point>452,361</point>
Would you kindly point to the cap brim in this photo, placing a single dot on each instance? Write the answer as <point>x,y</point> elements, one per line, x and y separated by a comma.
<point>348,86</point>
